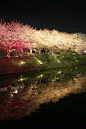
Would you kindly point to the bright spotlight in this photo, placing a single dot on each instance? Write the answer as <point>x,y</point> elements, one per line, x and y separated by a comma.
<point>41,75</point>
<point>84,51</point>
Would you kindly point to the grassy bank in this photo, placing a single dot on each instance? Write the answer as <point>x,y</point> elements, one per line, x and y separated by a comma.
<point>40,62</point>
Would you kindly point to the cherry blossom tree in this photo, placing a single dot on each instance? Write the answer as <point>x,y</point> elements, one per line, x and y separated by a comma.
<point>11,37</point>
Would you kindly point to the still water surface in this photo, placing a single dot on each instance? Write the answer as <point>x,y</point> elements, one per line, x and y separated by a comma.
<point>47,99</point>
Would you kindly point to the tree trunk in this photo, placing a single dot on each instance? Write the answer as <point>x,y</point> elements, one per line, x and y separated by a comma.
<point>52,51</point>
<point>30,51</point>
<point>45,50</point>
<point>39,52</point>
<point>9,89</point>
<point>8,53</point>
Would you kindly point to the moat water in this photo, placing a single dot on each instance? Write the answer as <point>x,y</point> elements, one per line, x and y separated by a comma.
<point>49,99</point>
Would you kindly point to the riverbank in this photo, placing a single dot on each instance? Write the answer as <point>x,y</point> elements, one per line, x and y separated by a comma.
<point>40,62</point>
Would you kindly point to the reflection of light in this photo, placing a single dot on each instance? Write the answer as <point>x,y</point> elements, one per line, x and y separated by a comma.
<point>76,68</point>
<point>11,95</point>
<point>21,79</point>
<point>16,91</point>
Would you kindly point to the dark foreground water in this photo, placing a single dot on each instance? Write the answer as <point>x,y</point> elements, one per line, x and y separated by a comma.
<point>51,99</point>
<point>69,112</point>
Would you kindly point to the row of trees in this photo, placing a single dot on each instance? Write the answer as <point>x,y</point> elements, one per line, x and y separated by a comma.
<point>15,36</point>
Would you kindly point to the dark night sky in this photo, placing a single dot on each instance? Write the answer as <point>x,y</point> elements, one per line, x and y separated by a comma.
<point>63,15</point>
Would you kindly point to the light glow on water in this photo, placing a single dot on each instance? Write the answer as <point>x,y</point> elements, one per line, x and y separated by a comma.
<point>21,79</point>
<point>28,91</point>
<point>16,91</point>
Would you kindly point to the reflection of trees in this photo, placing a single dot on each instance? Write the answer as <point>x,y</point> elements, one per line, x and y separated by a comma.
<point>9,88</point>
<point>27,101</point>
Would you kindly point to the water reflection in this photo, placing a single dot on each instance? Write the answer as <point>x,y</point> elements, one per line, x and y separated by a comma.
<point>21,94</point>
